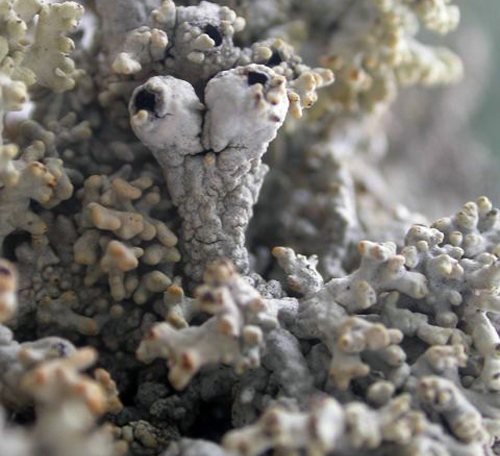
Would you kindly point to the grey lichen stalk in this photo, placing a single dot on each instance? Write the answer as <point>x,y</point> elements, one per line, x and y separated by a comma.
<point>212,166</point>
<point>211,151</point>
<point>334,322</point>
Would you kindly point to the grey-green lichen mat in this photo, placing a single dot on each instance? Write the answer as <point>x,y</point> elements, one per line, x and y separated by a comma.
<point>201,251</point>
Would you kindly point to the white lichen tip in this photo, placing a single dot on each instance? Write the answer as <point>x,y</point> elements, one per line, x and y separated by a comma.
<point>446,399</point>
<point>167,114</point>
<point>8,290</point>
<point>232,336</point>
<point>317,431</point>
<point>59,379</point>
<point>218,144</point>
<point>302,92</point>
<point>141,46</point>
<point>302,275</point>
<point>47,56</point>
<point>392,347</point>
<point>253,95</point>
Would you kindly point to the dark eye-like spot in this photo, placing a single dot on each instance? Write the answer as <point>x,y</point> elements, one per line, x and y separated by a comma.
<point>213,32</point>
<point>4,271</point>
<point>61,349</point>
<point>275,59</point>
<point>256,78</point>
<point>145,100</point>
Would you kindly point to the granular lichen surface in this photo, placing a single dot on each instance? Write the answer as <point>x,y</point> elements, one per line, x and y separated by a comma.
<point>203,251</point>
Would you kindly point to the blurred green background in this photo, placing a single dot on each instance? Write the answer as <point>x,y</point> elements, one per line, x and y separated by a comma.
<point>485,122</point>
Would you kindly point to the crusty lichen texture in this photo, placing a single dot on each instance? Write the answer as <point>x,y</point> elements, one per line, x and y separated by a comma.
<point>213,174</point>
<point>200,252</point>
<point>211,151</point>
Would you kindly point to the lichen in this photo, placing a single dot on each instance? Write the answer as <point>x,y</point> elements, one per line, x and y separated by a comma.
<point>193,203</point>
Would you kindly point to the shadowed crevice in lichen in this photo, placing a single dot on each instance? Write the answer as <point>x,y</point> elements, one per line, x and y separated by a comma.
<point>145,100</point>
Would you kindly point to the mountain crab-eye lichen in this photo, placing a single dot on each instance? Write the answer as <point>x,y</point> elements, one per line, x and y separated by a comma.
<point>206,217</point>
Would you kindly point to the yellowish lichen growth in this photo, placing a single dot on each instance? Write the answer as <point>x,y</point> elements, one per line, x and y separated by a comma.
<point>31,176</point>
<point>377,49</point>
<point>390,347</point>
<point>33,49</point>
<point>119,235</point>
<point>8,290</point>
